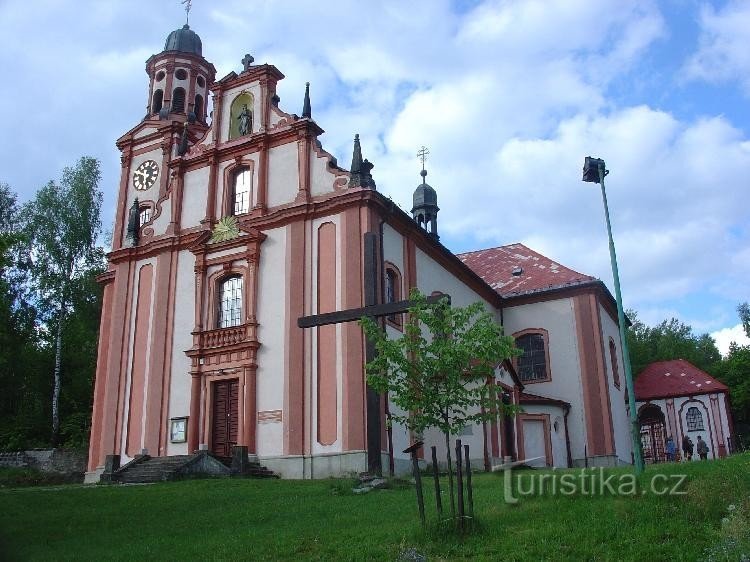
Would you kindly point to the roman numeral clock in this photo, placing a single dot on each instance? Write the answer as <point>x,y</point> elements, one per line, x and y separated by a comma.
<point>145,175</point>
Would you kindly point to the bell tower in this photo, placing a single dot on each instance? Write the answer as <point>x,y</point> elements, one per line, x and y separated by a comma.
<point>425,208</point>
<point>179,79</point>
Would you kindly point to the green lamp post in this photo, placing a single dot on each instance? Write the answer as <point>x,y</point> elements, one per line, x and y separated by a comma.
<point>594,170</point>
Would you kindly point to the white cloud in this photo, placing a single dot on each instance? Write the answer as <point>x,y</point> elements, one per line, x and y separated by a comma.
<point>723,54</point>
<point>728,335</point>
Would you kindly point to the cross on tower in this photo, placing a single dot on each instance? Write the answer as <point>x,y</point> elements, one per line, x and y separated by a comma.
<point>247,60</point>
<point>422,154</point>
<point>188,4</point>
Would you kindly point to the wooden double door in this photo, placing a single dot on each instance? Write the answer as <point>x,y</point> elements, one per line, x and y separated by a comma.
<point>225,417</point>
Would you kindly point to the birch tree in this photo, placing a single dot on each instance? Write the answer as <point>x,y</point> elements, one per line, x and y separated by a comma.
<point>62,227</point>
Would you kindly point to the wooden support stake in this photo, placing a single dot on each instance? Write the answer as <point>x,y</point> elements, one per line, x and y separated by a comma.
<point>436,475</point>
<point>412,450</point>
<point>459,485</point>
<point>469,490</point>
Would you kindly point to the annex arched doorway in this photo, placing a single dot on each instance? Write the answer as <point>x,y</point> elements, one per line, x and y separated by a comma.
<point>653,433</point>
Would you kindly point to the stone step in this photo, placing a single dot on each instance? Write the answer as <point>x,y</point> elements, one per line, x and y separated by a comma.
<point>157,469</point>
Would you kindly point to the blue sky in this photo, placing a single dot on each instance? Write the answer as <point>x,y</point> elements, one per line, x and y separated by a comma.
<point>508,95</point>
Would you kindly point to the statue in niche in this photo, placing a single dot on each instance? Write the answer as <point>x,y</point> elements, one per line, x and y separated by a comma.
<point>246,120</point>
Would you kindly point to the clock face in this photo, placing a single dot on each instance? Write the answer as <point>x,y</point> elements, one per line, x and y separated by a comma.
<point>145,175</point>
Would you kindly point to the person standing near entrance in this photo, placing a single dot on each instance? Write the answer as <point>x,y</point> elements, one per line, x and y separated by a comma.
<point>687,448</point>
<point>702,448</point>
<point>670,449</point>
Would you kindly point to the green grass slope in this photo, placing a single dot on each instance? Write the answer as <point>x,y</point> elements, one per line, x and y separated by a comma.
<point>323,520</point>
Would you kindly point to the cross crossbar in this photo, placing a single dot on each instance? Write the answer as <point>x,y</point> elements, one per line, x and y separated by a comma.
<point>353,314</point>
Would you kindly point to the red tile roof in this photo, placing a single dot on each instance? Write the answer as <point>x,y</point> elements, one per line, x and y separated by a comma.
<point>517,270</point>
<point>673,378</point>
<point>529,398</point>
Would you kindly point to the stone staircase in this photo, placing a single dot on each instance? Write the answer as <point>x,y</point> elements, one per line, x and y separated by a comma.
<point>146,469</point>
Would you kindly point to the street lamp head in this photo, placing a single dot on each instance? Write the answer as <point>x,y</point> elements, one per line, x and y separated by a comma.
<point>594,169</point>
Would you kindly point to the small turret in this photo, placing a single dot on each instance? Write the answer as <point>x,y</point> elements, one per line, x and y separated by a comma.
<point>425,208</point>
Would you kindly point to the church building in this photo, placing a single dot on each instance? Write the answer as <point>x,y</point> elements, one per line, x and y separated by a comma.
<point>233,222</point>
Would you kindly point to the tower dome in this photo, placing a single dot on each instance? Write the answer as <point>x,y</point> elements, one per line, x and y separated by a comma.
<point>184,40</point>
<point>425,207</point>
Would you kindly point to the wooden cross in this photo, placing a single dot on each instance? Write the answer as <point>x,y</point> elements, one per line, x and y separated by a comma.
<point>373,310</point>
<point>247,60</point>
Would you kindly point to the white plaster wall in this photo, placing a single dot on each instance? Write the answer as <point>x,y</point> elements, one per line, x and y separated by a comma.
<point>160,223</point>
<point>194,190</point>
<point>147,130</point>
<point>184,321</point>
<point>226,108</point>
<point>558,318</point>
<point>557,436</point>
<point>393,250</point>
<point>283,174</point>
<point>618,407</point>
<point>271,334</point>
<point>321,177</point>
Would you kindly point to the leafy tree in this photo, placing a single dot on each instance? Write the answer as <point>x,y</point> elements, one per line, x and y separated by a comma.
<point>437,372</point>
<point>671,339</point>
<point>62,227</point>
<point>734,371</point>
<point>744,312</point>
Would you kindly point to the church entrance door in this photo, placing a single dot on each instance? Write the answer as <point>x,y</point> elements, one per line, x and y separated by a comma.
<point>225,417</point>
<point>653,430</point>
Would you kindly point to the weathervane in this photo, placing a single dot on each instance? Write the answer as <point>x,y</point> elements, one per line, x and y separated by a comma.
<point>188,4</point>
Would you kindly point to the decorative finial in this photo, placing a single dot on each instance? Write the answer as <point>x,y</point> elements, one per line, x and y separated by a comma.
<point>422,155</point>
<point>247,60</point>
<point>306,109</point>
<point>188,4</point>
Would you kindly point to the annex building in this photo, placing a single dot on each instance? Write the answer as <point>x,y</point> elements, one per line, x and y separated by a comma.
<point>232,222</point>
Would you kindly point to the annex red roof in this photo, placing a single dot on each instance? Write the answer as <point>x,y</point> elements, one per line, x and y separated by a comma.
<point>514,270</point>
<point>665,379</point>
<point>529,398</point>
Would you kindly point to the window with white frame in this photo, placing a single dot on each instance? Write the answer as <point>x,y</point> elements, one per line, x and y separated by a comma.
<point>230,302</point>
<point>241,191</point>
<point>144,215</point>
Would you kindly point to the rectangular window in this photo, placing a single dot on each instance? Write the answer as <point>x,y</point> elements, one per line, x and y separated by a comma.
<point>230,307</point>
<point>144,216</point>
<point>242,181</point>
<point>532,365</point>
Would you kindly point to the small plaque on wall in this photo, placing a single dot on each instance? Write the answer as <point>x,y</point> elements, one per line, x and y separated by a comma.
<point>178,430</point>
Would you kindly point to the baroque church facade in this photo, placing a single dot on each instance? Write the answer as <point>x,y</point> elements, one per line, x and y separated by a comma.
<point>231,224</point>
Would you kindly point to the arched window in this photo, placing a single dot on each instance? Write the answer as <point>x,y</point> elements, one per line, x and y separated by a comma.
<point>532,364</point>
<point>178,100</point>
<point>392,291</point>
<point>198,107</point>
<point>613,359</point>
<point>156,101</point>
<point>694,419</point>
<point>230,302</point>
<point>144,215</point>
<point>241,191</point>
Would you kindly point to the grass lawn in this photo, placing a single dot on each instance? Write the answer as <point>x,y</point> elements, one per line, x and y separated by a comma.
<point>323,520</point>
